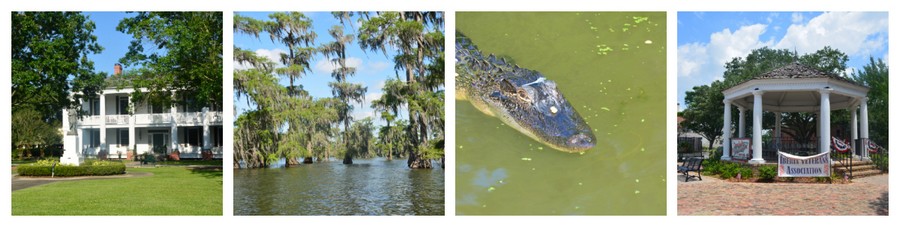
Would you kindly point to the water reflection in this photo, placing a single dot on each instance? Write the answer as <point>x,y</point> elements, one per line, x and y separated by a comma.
<point>370,187</point>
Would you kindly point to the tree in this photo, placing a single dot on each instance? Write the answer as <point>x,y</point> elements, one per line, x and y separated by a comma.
<point>178,52</point>
<point>30,131</point>
<point>358,140</point>
<point>703,114</point>
<point>875,75</point>
<point>345,91</point>
<point>50,59</point>
<point>418,39</point>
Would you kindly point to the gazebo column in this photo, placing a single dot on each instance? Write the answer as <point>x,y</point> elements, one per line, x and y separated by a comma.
<point>864,127</point>
<point>825,121</point>
<point>777,137</point>
<point>757,128</point>
<point>726,132</point>
<point>854,130</point>
<point>741,120</point>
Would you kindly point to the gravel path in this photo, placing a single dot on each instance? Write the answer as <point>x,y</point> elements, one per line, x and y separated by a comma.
<point>713,196</point>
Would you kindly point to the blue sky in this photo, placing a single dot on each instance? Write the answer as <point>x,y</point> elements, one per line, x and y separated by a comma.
<point>115,44</point>
<point>706,40</point>
<point>373,68</point>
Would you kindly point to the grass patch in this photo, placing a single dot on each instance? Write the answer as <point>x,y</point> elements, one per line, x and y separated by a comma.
<point>170,191</point>
<point>22,162</point>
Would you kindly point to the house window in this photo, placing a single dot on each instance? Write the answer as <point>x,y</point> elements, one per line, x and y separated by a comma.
<point>156,109</point>
<point>193,136</point>
<point>122,106</point>
<point>123,137</point>
<point>95,138</point>
<point>217,136</point>
<point>94,107</point>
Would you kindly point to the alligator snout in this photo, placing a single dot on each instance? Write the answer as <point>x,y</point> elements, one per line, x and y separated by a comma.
<point>581,141</point>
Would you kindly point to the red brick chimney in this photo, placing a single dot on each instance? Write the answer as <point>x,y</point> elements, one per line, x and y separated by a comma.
<point>117,69</point>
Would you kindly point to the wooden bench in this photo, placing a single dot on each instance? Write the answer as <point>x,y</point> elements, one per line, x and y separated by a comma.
<point>691,165</point>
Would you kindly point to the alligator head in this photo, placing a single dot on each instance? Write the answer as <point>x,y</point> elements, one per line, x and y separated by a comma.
<point>533,105</point>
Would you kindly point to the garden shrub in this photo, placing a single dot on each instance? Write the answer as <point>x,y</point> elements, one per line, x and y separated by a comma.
<point>89,168</point>
<point>746,172</point>
<point>729,170</point>
<point>767,172</point>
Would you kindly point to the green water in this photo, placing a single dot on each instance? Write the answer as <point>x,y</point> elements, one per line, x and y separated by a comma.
<point>612,69</point>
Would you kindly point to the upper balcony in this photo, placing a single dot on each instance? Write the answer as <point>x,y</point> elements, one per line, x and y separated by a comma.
<point>181,118</point>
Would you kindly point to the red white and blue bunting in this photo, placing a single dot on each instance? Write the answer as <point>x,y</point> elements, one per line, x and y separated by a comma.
<point>839,145</point>
<point>873,148</point>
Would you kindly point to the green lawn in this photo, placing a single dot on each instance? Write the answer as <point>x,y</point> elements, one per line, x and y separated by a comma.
<point>192,162</point>
<point>170,191</point>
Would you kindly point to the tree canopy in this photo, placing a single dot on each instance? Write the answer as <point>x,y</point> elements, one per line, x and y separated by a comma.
<point>178,52</point>
<point>50,59</point>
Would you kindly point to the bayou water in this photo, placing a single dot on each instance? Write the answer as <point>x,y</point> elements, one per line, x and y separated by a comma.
<point>612,69</point>
<point>368,187</point>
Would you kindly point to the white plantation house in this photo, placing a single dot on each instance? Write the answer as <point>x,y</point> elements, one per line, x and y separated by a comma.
<point>108,130</point>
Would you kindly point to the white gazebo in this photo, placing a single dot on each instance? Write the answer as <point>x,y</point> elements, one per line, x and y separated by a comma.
<point>795,88</point>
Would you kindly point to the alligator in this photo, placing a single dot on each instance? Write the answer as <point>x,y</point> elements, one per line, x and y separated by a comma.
<point>523,99</point>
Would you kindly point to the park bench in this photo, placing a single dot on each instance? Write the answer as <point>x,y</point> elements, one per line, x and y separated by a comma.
<point>691,165</point>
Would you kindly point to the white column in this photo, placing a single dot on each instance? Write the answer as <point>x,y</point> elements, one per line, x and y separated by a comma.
<point>864,126</point>
<point>854,130</point>
<point>131,129</point>
<point>103,145</point>
<point>726,132</point>
<point>741,122</point>
<point>205,129</point>
<point>777,136</point>
<point>174,132</point>
<point>757,128</point>
<point>825,121</point>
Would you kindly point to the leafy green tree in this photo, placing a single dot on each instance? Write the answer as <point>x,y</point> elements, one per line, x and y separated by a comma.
<point>50,59</point>
<point>30,131</point>
<point>875,75</point>
<point>418,39</point>
<point>178,52</point>
<point>703,114</point>
<point>358,140</point>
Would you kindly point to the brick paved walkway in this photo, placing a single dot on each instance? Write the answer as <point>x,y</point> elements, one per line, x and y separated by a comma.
<point>712,196</point>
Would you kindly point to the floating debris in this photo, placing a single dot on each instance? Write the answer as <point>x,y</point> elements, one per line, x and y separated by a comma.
<point>604,108</point>
<point>491,189</point>
<point>526,159</point>
<point>637,180</point>
<point>637,192</point>
<point>648,42</point>
<point>638,20</point>
<point>540,148</point>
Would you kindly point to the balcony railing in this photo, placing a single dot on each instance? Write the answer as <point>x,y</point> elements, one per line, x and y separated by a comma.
<point>91,120</point>
<point>160,118</point>
<point>189,118</point>
<point>214,117</point>
<point>118,119</point>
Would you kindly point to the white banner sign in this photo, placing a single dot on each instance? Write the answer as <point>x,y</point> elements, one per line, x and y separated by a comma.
<point>798,166</point>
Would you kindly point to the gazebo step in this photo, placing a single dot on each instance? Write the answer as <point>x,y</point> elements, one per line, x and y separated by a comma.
<point>866,173</point>
<point>856,168</point>
<point>854,163</point>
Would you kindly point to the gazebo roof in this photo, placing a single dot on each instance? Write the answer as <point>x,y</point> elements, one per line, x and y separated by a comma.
<point>797,70</point>
<point>795,88</point>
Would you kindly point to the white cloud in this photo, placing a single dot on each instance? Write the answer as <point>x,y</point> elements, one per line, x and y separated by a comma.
<point>325,66</point>
<point>273,55</point>
<point>796,18</point>
<point>854,33</point>
<point>378,65</point>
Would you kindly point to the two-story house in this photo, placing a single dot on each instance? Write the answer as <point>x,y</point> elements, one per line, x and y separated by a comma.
<point>108,128</point>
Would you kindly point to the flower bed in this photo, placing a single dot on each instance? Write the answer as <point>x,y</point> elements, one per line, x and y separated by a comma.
<point>88,168</point>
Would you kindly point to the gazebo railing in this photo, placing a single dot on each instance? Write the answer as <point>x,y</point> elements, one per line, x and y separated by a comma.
<point>790,146</point>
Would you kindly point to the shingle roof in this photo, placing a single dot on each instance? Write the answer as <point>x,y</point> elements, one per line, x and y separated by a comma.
<point>797,70</point>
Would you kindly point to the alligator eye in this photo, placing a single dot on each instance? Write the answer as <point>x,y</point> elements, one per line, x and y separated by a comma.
<point>523,95</point>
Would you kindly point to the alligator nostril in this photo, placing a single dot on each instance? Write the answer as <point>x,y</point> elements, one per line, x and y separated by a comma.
<point>581,140</point>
